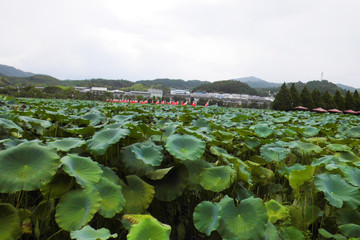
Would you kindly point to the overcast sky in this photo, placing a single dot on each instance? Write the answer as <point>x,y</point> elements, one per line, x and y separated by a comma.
<point>276,40</point>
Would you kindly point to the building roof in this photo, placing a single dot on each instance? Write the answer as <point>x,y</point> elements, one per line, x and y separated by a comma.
<point>98,89</point>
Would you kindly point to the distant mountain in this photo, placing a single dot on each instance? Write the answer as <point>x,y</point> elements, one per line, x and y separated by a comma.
<point>13,72</point>
<point>255,82</point>
<point>322,86</point>
<point>351,89</point>
<point>229,86</point>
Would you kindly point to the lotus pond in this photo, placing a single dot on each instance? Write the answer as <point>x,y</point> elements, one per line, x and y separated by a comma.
<point>96,170</point>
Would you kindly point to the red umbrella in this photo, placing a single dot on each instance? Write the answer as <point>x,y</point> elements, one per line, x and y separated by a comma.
<point>334,111</point>
<point>319,110</point>
<point>300,108</point>
<point>350,112</point>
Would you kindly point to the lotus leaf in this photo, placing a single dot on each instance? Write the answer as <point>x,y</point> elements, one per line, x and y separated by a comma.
<point>276,211</point>
<point>158,174</point>
<point>347,215</point>
<point>9,125</point>
<point>43,210</point>
<point>291,233</point>
<point>310,131</point>
<point>138,194</point>
<point>326,234</point>
<point>207,217</point>
<point>109,174</point>
<point>271,232</point>
<point>103,139</point>
<point>77,208</point>
<point>258,173</point>
<point>330,162</point>
<point>352,175</point>
<point>337,190</point>
<point>85,170</point>
<point>35,122</point>
<point>66,144</point>
<point>285,171</point>
<point>27,167</point>
<point>172,185</point>
<point>148,154</point>
<point>123,118</point>
<point>262,130</point>
<point>149,229</point>
<point>306,149</point>
<point>274,152</point>
<point>185,147</point>
<point>132,163</point>
<point>136,218</point>
<point>353,132</point>
<point>350,230</point>
<point>247,220</point>
<point>10,227</point>
<point>217,179</point>
<point>338,147</point>
<point>60,184</point>
<point>299,177</point>
<point>88,233</point>
<point>94,117</point>
<point>195,168</point>
<point>112,199</point>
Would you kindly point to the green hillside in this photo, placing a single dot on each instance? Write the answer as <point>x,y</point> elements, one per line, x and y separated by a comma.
<point>228,86</point>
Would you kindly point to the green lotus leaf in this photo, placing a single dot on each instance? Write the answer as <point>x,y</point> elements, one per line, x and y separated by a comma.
<point>299,177</point>
<point>60,184</point>
<point>85,170</point>
<point>123,118</point>
<point>35,122</point>
<point>94,117</point>
<point>283,119</point>
<point>352,175</point>
<point>274,152</point>
<point>9,143</point>
<point>138,194</point>
<point>136,218</point>
<point>82,130</point>
<point>207,217</point>
<point>133,164</point>
<point>77,208</point>
<point>347,215</point>
<point>217,179</point>
<point>291,233</point>
<point>310,131</point>
<point>109,174</point>
<point>350,230</point>
<point>43,210</point>
<point>150,154</point>
<point>10,226</point>
<point>158,174</point>
<point>9,125</point>
<point>103,139</point>
<point>260,174</point>
<point>26,167</point>
<point>172,185</point>
<point>262,130</point>
<point>285,170</point>
<point>66,144</point>
<point>337,190</point>
<point>194,169</point>
<point>149,229</point>
<point>338,147</point>
<point>276,211</point>
<point>247,220</point>
<point>113,200</point>
<point>348,156</point>
<point>306,149</point>
<point>88,233</point>
<point>185,147</point>
<point>166,132</point>
<point>326,234</point>
<point>330,162</point>
<point>271,232</point>
<point>353,132</point>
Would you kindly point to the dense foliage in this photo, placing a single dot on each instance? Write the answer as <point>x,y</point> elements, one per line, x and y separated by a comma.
<point>229,86</point>
<point>96,170</point>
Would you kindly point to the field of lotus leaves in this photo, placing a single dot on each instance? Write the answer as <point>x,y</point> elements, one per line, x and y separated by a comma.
<point>97,170</point>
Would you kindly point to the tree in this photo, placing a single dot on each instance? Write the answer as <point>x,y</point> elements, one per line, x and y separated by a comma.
<point>316,96</point>
<point>306,98</point>
<point>283,100</point>
<point>349,101</point>
<point>328,101</point>
<point>296,99</point>
<point>339,100</point>
<point>356,101</point>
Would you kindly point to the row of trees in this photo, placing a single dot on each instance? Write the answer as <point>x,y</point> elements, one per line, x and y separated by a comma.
<point>287,99</point>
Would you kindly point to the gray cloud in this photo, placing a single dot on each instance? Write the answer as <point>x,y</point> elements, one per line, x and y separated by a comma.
<point>277,40</point>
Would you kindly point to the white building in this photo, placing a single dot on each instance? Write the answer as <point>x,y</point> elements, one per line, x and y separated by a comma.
<point>174,91</point>
<point>155,92</point>
<point>117,93</point>
<point>98,90</point>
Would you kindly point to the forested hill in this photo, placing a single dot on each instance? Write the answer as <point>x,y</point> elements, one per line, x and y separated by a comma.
<point>228,86</point>
<point>13,72</point>
<point>322,86</point>
<point>173,83</point>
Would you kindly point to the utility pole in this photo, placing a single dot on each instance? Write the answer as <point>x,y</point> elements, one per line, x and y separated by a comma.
<point>322,75</point>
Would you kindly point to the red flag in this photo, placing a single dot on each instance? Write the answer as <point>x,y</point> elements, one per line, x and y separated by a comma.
<point>185,103</point>
<point>157,102</point>
<point>207,104</point>
<point>194,104</point>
